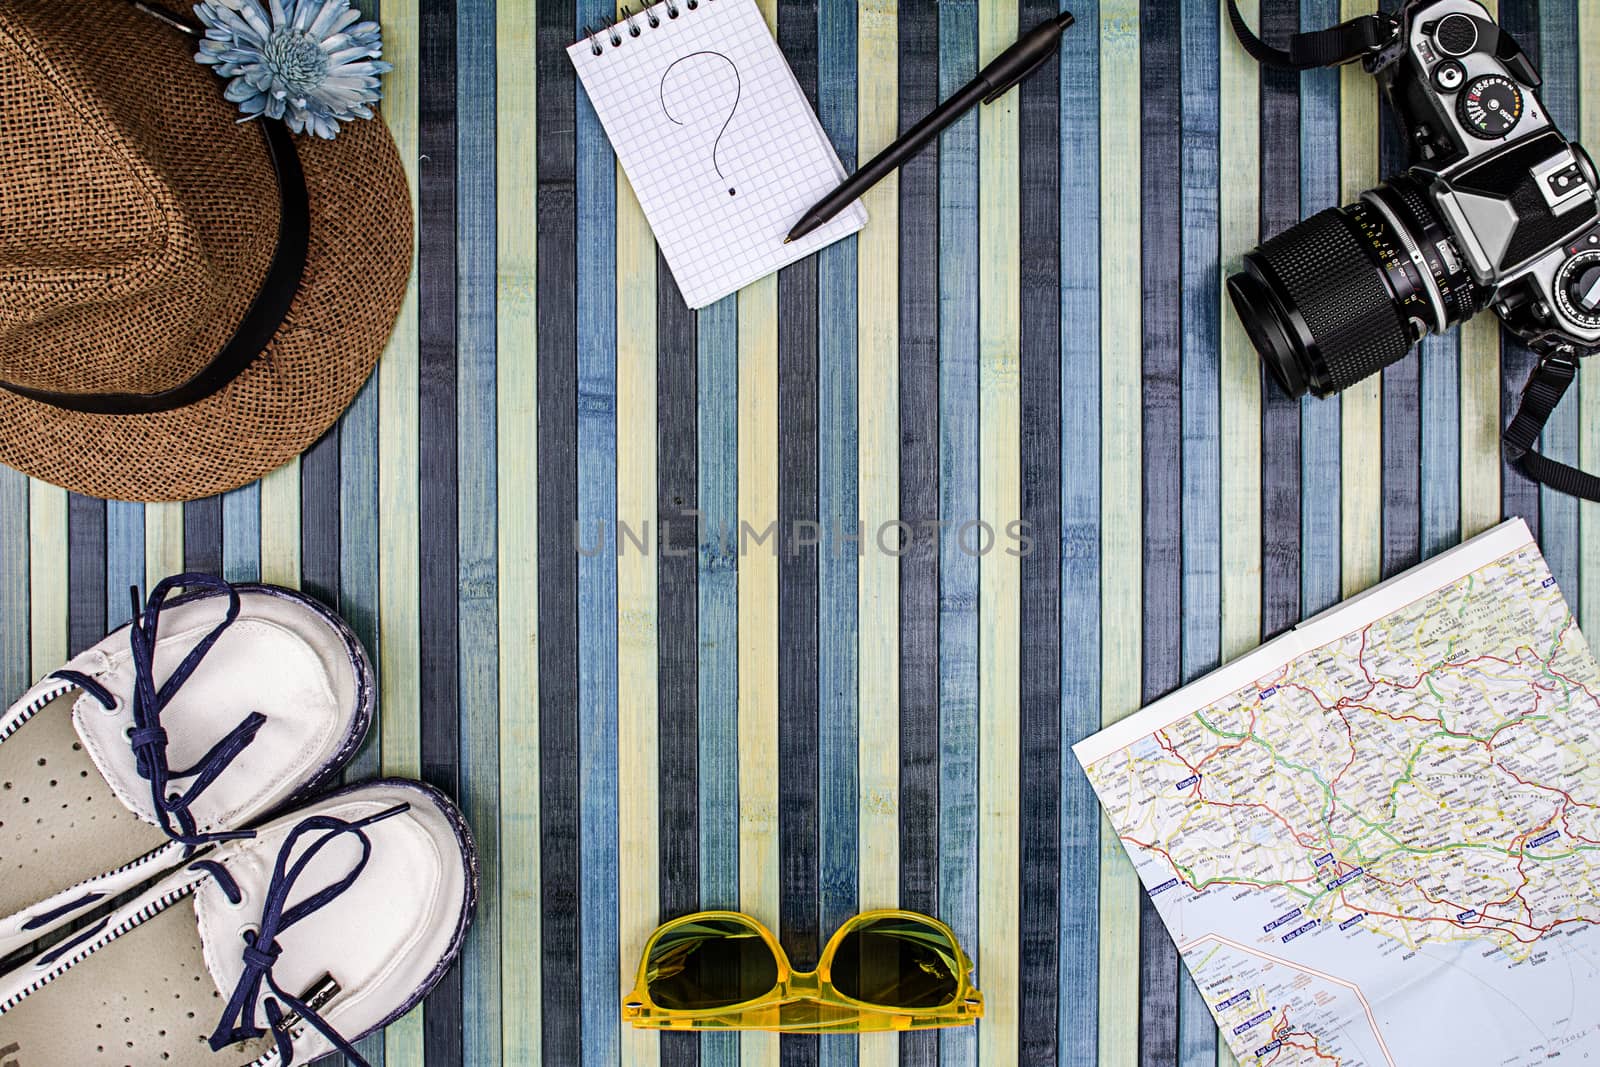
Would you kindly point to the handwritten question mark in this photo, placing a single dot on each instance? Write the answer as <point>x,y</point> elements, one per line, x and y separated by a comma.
<point>738,89</point>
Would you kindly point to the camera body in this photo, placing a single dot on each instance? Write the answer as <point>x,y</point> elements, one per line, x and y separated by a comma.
<point>1519,199</point>
<point>1498,209</point>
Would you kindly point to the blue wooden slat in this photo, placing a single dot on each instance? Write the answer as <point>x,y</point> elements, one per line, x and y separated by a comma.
<point>1558,512</point>
<point>677,604</point>
<point>241,534</point>
<point>202,531</point>
<point>319,520</point>
<point>477,517</point>
<point>1080,533</point>
<point>1319,419</point>
<point>86,571</point>
<point>1518,494</point>
<point>358,577</point>
<point>124,558</point>
<point>1280,415</point>
<point>917,55</point>
<point>1440,385</point>
<point>597,572</point>
<point>958,501</point>
<point>1202,551</point>
<point>1161,265</point>
<point>1039,855</point>
<point>358,544</point>
<point>836,508</point>
<point>558,665</point>
<point>436,286</point>
<point>800,930</point>
<point>1402,448</point>
<point>718,338</point>
<point>1202,442</point>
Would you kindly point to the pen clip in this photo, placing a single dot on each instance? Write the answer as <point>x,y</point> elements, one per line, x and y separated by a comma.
<point>1011,83</point>
<point>1043,41</point>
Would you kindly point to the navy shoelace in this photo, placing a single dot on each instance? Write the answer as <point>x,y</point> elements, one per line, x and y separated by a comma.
<point>148,738</point>
<point>261,948</point>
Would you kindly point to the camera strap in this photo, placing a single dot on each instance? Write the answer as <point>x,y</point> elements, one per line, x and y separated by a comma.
<point>1336,45</point>
<point>1546,386</point>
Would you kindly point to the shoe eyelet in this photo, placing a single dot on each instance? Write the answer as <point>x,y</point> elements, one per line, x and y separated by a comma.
<point>127,731</point>
<point>248,928</point>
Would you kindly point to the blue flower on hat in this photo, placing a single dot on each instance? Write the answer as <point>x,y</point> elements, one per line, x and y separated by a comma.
<point>311,63</point>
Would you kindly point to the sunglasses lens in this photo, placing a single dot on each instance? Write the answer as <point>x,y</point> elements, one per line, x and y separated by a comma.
<point>898,963</point>
<point>710,964</point>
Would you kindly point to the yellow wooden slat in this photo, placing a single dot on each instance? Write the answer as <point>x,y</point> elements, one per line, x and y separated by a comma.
<point>1121,345</point>
<point>1361,461</point>
<point>1240,374</point>
<point>999,573</point>
<point>878,487</point>
<point>1480,418</point>
<point>638,878</point>
<point>280,526</point>
<point>758,613</point>
<point>163,542</point>
<point>516,244</point>
<point>47,576</point>
<point>399,646</point>
<point>758,620</point>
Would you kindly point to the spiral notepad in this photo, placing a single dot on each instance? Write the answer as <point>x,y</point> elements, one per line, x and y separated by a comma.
<point>718,141</point>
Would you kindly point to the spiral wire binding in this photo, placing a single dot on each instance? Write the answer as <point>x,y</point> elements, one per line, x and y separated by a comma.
<point>627,19</point>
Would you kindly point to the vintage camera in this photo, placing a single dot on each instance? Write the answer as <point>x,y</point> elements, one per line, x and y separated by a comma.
<point>1498,209</point>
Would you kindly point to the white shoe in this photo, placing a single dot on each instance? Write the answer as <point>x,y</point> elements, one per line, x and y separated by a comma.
<point>209,711</point>
<point>331,922</point>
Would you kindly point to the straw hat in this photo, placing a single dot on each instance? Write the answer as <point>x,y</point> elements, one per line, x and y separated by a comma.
<point>180,311</point>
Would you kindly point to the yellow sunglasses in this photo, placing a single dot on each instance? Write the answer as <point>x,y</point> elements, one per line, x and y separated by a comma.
<point>882,970</point>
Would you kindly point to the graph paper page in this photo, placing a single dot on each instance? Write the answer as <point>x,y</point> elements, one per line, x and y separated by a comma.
<point>717,138</point>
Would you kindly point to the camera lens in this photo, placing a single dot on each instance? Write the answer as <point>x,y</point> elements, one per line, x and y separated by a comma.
<point>1349,290</point>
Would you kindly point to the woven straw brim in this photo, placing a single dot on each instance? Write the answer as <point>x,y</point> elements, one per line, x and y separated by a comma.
<point>337,327</point>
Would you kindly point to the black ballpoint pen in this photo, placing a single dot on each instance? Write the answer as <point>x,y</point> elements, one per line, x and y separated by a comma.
<point>1029,53</point>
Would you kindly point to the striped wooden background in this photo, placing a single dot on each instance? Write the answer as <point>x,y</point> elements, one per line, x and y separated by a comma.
<point>1031,327</point>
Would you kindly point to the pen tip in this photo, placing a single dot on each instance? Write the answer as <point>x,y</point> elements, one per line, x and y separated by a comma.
<point>788,240</point>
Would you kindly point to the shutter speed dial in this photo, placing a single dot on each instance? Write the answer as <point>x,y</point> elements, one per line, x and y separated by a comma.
<point>1578,289</point>
<point>1490,106</point>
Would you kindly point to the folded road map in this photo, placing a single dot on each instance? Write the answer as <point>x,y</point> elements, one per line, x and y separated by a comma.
<point>1376,839</point>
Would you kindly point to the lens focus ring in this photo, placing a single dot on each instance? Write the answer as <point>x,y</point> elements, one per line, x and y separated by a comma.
<point>1332,282</point>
